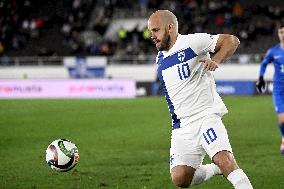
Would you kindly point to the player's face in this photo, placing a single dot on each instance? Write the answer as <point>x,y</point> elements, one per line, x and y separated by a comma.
<point>165,42</point>
<point>281,34</point>
<point>160,35</point>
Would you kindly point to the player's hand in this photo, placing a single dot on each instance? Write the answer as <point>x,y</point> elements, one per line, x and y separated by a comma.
<point>260,85</point>
<point>209,65</point>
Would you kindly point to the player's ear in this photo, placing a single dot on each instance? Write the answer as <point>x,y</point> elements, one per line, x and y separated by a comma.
<point>171,28</point>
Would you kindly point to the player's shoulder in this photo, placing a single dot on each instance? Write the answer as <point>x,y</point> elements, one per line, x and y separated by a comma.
<point>275,47</point>
<point>198,39</point>
<point>201,42</point>
<point>198,36</point>
<point>272,49</point>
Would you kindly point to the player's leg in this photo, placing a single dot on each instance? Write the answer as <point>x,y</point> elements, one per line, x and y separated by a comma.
<point>182,175</point>
<point>216,144</point>
<point>182,162</point>
<point>226,161</point>
<point>281,128</point>
<point>279,109</point>
<point>187,155</point>
<point>185,176</point>
<point>205,172</point>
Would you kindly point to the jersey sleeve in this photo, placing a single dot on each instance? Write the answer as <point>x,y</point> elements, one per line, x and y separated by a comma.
<point>266,60</point>
<point>204,43</point>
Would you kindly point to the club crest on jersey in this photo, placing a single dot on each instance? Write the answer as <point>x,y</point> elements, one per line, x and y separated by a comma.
<point>181,56</point>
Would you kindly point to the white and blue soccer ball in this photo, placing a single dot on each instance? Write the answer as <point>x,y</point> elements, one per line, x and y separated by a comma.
<point>62,155</point>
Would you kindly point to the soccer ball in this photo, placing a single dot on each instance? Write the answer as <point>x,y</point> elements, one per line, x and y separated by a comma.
<point>62,155</point>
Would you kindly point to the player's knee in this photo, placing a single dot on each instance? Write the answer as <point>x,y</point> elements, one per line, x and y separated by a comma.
<point>180,180</point>
<point>182,177</point>
<point>225,160</point>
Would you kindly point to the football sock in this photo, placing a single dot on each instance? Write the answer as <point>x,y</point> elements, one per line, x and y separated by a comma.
<point>204,172</point>
<point>281,128</point>
<point>239,179</point>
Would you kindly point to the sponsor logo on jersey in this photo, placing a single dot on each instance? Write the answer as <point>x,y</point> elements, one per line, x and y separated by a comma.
<point>277,56</point>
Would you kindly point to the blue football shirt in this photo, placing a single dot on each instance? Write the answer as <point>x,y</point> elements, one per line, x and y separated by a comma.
<point>276,56</point>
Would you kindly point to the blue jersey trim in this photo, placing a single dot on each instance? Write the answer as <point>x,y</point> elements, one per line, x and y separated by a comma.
<point>177,58</point>
<point>175,120</point>
<point>159,62</point>
<point>165,63</point>
<point>172,60</point>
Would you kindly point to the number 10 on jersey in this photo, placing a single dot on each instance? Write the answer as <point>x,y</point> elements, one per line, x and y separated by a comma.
<point>183,71</point>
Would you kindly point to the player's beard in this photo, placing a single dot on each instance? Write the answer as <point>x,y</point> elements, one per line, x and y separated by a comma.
<point>165,42</point>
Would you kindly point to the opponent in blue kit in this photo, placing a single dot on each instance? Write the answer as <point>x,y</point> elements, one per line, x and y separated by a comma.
<point>275,55</point>
<point>184,69</point>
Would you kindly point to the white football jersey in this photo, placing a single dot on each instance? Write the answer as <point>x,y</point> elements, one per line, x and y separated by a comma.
<point>189,90</point>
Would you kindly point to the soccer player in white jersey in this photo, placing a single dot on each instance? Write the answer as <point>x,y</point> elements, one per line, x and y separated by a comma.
<point>184,69</point>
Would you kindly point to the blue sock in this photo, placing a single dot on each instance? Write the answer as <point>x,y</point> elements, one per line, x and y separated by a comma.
<point>281,128</point>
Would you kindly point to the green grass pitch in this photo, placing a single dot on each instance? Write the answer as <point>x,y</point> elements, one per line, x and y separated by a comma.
<point>125,143</point>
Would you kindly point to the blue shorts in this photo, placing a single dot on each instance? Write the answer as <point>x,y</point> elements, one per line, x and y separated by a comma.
<point>278,99</point>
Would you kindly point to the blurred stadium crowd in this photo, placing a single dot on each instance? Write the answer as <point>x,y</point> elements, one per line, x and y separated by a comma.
<point>79,27</point>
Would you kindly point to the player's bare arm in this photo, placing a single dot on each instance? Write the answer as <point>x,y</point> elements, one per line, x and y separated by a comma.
<point>225,48</point>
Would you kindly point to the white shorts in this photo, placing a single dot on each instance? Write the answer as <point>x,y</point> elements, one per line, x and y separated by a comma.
<point>193,140</point>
